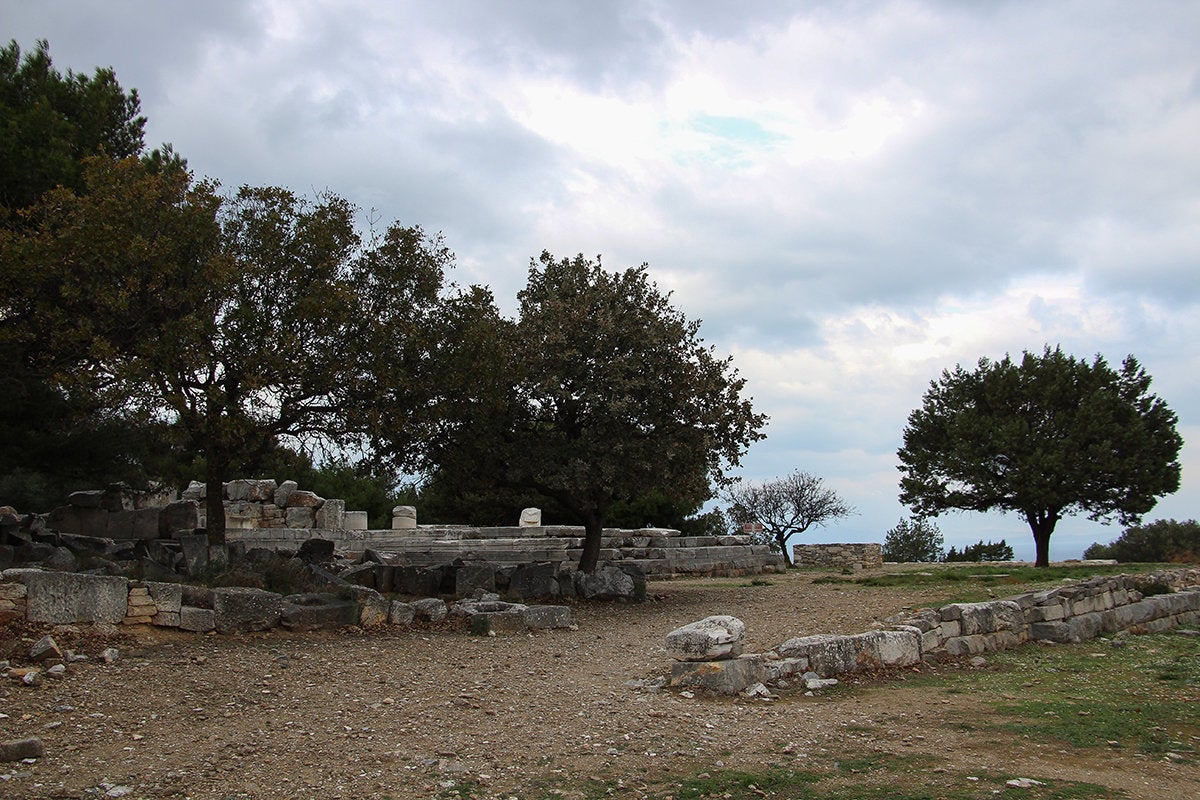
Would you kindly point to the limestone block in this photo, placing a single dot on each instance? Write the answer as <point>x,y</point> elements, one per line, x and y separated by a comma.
<point>373,607</point>
<point>546,617</point>
<point>1160,625</point>
<point>242,515</point>
<point>65,598</point>
<point>167,596</point>
<point>331,515</point>
<point>166,619</point>
<point>180,516</point>
<point>195,553</point>
<point>950,628</point>
<point>300,516</point>
<point>430,608</point>
<point>611,582</point>
<point>356,520</point>
<point>417,581</point>
<point>404,518</point>
<point>400,613</point>
<point>240,609</point>
<point>283,492</point>
<point>472,576</point>
<point>83,521</point>
<point>715,638</point>
<point>783,668</point>
<point>1050,631</point>
<point>197,620</point>
<point>303,499</point>
<point>92,498</point>
<point>531,518</point>
<point>931,640</point>
<point>317,611</point>
<point>989,617</point>
<point>271,516</point>
<point>195,491</point>
<point>1085,626</point>
<point>535,580</point>
<point>1047,613</point>
<point>720,677</point>
<point>12,591</point>
<point>490,622</point>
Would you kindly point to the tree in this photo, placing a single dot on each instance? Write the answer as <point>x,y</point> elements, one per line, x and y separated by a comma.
<point>599,392</point>
<point>1045,437</point>
<point>785,506</point>
<point>1164,540</point>
<point>49,123</point>
<point>913,540</point>
<point>243,322</point>
<point>992,551</point>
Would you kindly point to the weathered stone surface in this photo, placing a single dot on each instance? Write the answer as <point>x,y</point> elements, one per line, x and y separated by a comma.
<point>546,617</point>
<point>829,654</point>
<point>195,553</point>
<point>989,617</point>
<point>64,598</point>
<point>404,518</point>
<point>197,620</point>
<point>400,613</point>
<point>373,607</point>
<point>733,676</point>
<point>331,515</point>
<point>430,608</point>
<point>303,499</point>
<point>714,638</point>
<point>1085,626</point>
<point>317,611</point>
<point>1050,631</point>
<point>490,622</point>
<point>867,555</point>
<point>611,582</point>
<point>530,518</point>
<point>166,619</point>
<point>283,492</point>
<point>300,516</point>
<point>45,649</point>
<point>416,581</point>
<point>783,668</point>
<point>530,581</point>
<point>316,551</point>
<point>141,523</point>
<point>21,749</point>
<point>1047,613</point>
<point>356,520</point>
<point>470,577</point>
<point>240,609</point>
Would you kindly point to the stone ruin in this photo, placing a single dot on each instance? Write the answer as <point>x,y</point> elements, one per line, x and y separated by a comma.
<point>708,655</point>
<point>843,555</point>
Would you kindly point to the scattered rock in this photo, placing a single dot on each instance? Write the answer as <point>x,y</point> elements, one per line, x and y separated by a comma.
<point>109,654</point>
<point>715,638</point>
<point>1023,783</point>
<point>978,661</point>
<point>20,749</point>
<point>45,649</point>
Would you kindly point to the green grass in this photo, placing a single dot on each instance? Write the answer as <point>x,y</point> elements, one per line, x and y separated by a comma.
<point>1144,696</point>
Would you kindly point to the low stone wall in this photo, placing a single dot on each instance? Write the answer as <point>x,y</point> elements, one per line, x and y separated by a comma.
<point>1073,613</point>
<point>868,555</point>
<point>66,598</point>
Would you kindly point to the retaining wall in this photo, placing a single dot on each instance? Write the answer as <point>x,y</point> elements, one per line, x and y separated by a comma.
<point>866,556</point>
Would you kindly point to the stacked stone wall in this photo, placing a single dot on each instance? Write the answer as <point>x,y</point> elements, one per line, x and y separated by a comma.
<point>868,555</point>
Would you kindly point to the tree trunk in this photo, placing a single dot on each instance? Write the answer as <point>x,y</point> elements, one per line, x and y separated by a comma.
<point>593,531</point>
<point>1042,524</point>
<point>783,548</point>
<point>214,502</point>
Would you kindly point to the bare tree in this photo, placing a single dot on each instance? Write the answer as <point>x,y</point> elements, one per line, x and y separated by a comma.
<point>785,506</point>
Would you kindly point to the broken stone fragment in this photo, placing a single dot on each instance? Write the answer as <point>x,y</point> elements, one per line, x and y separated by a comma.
<point>714,638</point>
<point>20,749</point>
<point>45,649</point>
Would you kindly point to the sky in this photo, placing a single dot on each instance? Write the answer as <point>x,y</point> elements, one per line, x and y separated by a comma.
<point>852,196</point>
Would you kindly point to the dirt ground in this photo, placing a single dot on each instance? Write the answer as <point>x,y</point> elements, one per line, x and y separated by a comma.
<point>419,714</point>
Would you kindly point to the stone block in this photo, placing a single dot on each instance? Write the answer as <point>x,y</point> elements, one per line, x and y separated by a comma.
<point>950,628</point>
<point>1085,626</point>
<point>783,668</point>
<point>472,576</point>
<point>720,677</point>
<point>300,516</point>
<point>989,617</point>
<point>416,581</point>
<point>715,638</point>
<point>488,622</point>
<point>283,492</point>
<point>195,553</point>
<point>166,619</point>
<point>83,521</point>
<point>316,551</point>
<point>373,608</point>
<point>356,520</point>
<point>400,613</point>
<point>318,611</point>
<point>168,597</point>
<point>404,518</point>
<point>1047,613</point>
<point>966,645</point>
<point>331,515</point>
<point>303,499</point>
<point>64,598</point>
<point>240,609</point>
<point>535,580</point>
<point>197,620</point>
<point>182,516</point>
<point>547,617</point>
<point>430,608</point>
<point>1050,631</point>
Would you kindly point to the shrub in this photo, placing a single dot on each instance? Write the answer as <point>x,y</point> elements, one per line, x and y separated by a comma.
<point>914,539</point>
<point>1162,540</point>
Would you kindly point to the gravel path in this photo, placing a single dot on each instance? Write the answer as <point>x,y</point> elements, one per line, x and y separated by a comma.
<point>418,714</point>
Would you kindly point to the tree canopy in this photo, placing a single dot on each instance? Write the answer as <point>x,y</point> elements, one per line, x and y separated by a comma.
<point>785,506</point>
<point>1045,437</point>
<point>913,540</point>
<point>599,392</point>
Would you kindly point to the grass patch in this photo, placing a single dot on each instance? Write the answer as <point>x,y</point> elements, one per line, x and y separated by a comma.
<point>1141,696</point>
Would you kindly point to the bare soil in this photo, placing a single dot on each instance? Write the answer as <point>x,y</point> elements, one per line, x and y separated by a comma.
<point>439,713</point>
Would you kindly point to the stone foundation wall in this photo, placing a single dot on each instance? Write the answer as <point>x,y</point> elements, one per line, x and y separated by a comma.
<point>865,556</point>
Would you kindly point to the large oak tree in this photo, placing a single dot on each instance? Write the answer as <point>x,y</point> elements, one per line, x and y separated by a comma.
<point>598,392</point>
<point>1046,436</point>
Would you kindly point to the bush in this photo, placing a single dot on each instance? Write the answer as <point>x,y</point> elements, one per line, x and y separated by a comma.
<point>992,551</point>
<point>913,539</point>
<point>1162,540</point>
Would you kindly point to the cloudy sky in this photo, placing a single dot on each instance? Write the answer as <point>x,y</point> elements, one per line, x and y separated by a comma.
<point>852,196</point>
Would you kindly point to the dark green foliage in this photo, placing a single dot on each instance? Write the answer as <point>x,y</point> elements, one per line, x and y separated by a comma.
<point>50,122</point>
<point>913,540</point>
<point>1163,540</point>
<point>599,393</point>
<point>991,551</point>
<point>1047,437</point>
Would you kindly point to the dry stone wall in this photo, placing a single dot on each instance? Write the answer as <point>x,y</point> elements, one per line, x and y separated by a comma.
<point>1073,613</point>
<point>867,555</point>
